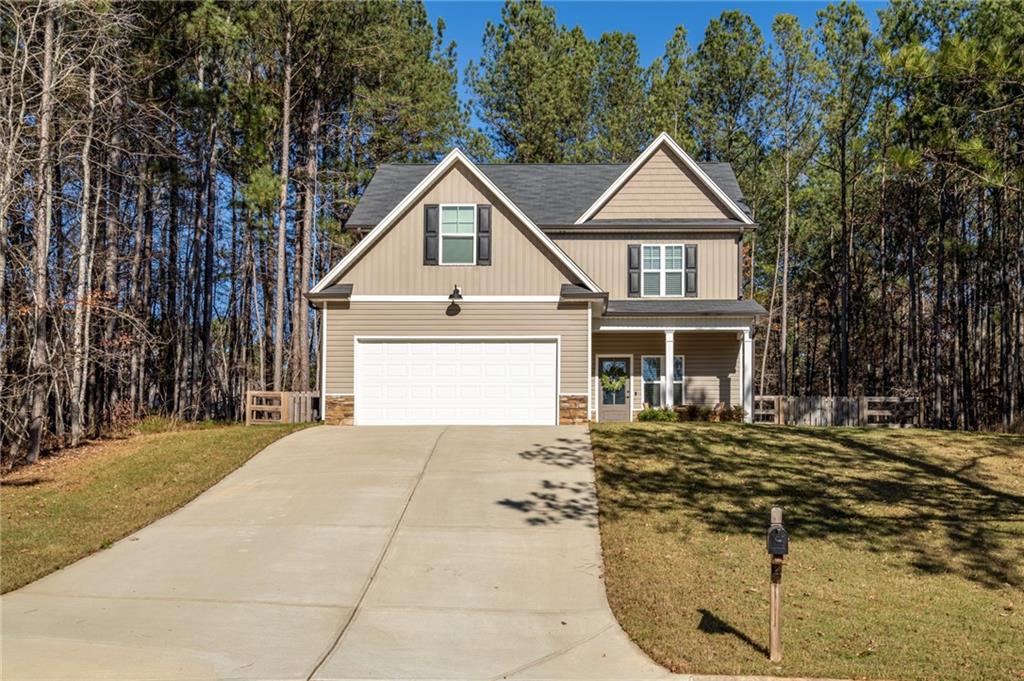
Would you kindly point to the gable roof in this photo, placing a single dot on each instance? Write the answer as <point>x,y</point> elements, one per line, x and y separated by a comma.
<point>664,140</point>
<point>549,193</point>
<point>433,174</point>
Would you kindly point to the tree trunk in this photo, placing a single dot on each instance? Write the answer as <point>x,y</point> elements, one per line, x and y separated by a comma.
<point>38,363</point>
<point>282,223</point>
<point>84,246</point>
<point>784,320</point>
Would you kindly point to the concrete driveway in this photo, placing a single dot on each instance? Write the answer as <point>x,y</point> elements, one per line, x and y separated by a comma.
<point>349,553</point>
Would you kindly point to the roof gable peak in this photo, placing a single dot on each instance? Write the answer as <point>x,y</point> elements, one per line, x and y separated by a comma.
<point>665,140</point>
<point>454,156</point>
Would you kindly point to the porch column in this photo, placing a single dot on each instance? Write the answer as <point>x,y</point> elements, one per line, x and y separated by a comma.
<point>666,369</point>
<point>748,375</point>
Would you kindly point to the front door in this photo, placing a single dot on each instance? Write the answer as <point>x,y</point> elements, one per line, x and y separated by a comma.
<point>613,386</point>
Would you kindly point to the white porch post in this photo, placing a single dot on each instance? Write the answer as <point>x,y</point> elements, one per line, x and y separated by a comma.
<point>748,375</point>
<point>666,369</point>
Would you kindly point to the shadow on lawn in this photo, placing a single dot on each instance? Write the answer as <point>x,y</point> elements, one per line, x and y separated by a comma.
<point>559,501</point>
<point>841,485</point>
<point>712,624</point>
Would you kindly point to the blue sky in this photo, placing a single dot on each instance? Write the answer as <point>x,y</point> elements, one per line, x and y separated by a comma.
<point>651,22</point>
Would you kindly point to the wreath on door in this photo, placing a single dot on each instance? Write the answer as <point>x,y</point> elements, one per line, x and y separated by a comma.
<point>613,379</point>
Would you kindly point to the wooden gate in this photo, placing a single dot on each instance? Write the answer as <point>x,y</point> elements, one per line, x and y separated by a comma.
<point>270,406</point>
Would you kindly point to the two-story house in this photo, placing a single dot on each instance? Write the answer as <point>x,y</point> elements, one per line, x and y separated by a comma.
<point>539,293</point>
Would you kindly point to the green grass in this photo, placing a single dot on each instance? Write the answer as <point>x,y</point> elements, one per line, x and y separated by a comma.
<point>69,506</point>
<point>906,551</point>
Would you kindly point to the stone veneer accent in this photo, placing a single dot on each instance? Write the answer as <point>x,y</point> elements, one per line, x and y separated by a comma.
<point>341,410</point>
<point>572,410</point>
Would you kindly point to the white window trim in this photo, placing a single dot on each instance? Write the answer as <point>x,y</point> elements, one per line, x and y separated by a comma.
<point>681,381</point>
<point>662,271</point>
<point>441,234</point>
<point>661,378</point>
<point>643,380</point>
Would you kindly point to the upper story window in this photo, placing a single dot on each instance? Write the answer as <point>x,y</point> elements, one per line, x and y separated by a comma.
<point>669,270</point>
<point>458,235</point>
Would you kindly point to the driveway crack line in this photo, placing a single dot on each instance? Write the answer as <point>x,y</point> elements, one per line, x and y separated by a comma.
<point>380,561</point>
<point>554,654</point>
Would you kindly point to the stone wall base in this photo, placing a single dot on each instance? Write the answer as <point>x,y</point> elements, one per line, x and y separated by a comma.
<point>341,410</point>
<point>572,410</point>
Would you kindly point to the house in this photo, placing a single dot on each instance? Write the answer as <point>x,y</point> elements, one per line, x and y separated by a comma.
<point>539,293</point>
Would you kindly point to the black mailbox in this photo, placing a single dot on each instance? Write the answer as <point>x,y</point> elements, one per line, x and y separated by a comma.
<point>778,540</point>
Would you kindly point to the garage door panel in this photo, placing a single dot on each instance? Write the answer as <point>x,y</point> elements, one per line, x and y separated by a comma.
<point>456,382</point>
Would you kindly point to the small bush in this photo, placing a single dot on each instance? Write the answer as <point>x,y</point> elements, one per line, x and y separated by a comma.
<point>717,414</point>
<point>650,414</point>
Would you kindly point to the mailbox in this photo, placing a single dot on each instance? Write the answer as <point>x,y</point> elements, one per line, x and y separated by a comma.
<point>778,540</point>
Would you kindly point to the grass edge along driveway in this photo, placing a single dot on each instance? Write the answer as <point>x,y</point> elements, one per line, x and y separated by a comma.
<point>907,548</point>
<point>69,506</point>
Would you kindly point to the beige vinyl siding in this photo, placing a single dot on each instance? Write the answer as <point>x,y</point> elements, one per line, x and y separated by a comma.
<point>506,320</point>
<point>604,259</point>
<point>662,188</point>
<point>521,265</point>
<point>712,362</point>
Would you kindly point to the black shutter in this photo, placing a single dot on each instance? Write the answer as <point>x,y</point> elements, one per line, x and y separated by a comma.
<point>690,291</point>
<point>633,263</point>
<point>430,228</point>
<point>483,234</point>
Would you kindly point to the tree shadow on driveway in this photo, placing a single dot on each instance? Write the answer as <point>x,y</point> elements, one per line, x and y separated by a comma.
<point>559,501</point>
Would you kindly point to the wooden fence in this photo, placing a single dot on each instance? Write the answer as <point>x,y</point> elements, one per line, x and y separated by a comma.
<point>269,406</point>
<point>870,411</point>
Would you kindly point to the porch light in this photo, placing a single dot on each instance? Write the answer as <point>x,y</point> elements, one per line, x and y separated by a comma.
<point>456,294</point>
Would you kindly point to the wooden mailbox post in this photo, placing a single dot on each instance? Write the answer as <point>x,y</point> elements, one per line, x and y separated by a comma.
<point>778,547</point>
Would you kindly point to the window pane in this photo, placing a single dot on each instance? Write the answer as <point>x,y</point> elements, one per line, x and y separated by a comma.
<point>456,250</point>
<point>457,220</point>
<point>677,393</point>
<point>673,283</point>
<point>652,394</point>
<point>652,257</point>
<point>615,368</point>
<point>652,368</point>
<point>677,368</point>
<point>652,283</point>
<point>673,257</point>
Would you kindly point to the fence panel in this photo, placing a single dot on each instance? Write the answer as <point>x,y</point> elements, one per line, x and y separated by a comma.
<point>816,410</point>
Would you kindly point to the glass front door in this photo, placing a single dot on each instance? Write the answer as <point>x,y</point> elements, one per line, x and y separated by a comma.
<point>614,386</point>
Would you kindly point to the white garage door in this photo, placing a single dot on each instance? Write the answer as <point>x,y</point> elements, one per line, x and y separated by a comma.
<point>466,382</point>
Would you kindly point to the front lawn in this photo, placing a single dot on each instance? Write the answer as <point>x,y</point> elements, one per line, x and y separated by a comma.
<point>69,506</point>
<point>906,551</point>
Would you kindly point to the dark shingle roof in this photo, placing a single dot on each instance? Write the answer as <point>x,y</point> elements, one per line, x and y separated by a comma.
<point>332,292</point>
<point>578,291</point>
<point>550,193</point>
<point>697,308</point>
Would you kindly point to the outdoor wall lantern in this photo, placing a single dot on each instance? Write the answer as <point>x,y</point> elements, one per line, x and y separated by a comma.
<point>453,307</point>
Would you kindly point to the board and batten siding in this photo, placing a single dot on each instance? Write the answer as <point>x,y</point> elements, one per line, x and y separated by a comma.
<point>603,257</point>
<point>662,188</point>
<point>520,264</point>
<point>712,364</point>
<point>345,321</point>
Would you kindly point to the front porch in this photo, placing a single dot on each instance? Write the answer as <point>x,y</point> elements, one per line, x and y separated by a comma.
<point>703,365</point>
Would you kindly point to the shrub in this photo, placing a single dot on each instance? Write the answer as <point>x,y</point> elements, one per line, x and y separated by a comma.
<point>650,414</point>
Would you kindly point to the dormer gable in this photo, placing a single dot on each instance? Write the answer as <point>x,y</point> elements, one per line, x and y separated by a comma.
<point>664,182</point>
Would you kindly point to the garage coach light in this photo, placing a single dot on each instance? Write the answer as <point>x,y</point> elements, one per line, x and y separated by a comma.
<point>456,294</point>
